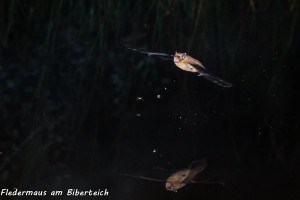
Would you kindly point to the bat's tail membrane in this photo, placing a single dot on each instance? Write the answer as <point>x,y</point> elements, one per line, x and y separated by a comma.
<point>215,79</point>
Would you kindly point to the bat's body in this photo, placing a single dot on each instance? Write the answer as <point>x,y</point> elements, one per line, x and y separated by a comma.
<point>187,63</point>
<point>180,178</point>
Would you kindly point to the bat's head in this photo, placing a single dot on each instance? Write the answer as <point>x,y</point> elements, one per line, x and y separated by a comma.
<point>178,57</point>
<point>170,186</point>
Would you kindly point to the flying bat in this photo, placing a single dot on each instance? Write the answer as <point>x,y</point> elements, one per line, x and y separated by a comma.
<point>186,63</point>
<point>180,178</point>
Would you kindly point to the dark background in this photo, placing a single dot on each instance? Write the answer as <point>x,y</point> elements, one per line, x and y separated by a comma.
<point>70,108</point>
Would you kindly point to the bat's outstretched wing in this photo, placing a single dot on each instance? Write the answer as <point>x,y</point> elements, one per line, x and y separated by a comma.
<point>213,78</point>
<point>197,167</point>
<point>194,169</point>
<point>163,56</point>
<point>208,182</point>
<point>142,177</point>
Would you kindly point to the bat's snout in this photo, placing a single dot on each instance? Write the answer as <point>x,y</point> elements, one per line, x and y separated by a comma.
<point>176,59</point>
<point>171,187</point>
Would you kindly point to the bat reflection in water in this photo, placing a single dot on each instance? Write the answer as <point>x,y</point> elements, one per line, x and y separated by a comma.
<point>182,177</point>
<point>186,63</point>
